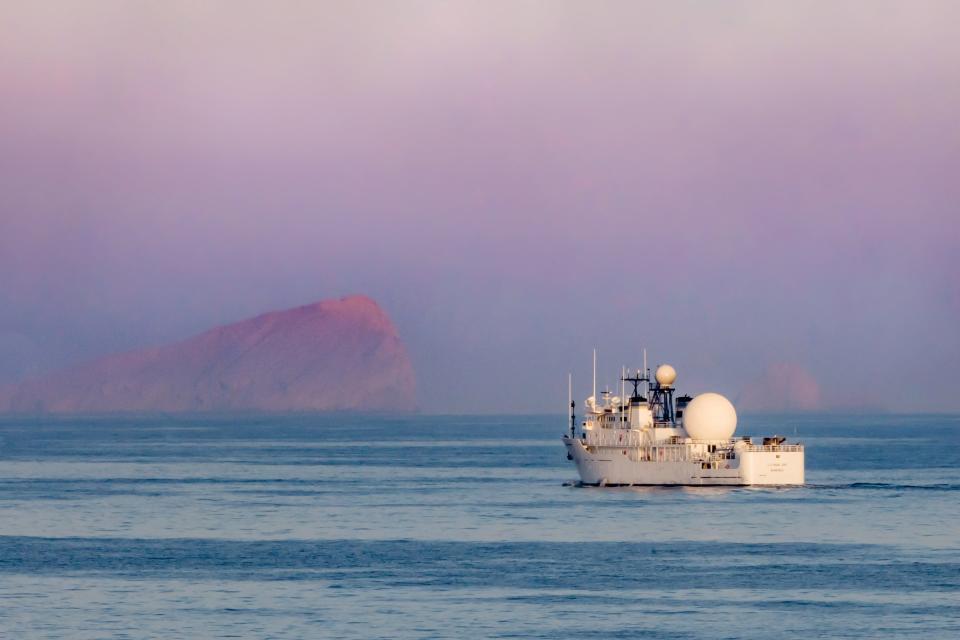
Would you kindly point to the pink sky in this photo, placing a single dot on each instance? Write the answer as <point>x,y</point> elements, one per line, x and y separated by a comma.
<point>732,185</point>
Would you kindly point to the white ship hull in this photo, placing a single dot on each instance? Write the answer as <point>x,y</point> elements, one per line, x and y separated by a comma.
<point>650,438</point>
<point>688,464</point>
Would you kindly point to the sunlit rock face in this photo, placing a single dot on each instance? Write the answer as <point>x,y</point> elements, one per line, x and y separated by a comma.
<point>782,387</point>
<point>331,355</point>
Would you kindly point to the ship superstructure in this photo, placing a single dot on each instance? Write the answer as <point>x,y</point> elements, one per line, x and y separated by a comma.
<point>652,438</point>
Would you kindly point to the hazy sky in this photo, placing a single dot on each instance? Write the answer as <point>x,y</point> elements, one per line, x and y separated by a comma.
<point>731,184</point>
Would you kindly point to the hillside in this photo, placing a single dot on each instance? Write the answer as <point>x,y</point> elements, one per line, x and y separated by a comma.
<point>331,355</point>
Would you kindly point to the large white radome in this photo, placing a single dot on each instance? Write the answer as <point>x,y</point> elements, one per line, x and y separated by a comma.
<point>710,416</point>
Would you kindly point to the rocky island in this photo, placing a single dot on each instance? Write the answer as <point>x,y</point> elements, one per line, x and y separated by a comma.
<point>332,355</point>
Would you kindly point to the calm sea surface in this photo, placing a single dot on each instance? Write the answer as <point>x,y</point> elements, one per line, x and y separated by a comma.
<point>313,527</point>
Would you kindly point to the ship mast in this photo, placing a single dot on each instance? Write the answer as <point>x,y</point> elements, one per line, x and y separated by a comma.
<point>594,373</point>
<point>636,380</point>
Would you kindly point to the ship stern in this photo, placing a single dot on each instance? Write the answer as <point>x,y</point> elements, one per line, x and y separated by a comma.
<point>772,467</point>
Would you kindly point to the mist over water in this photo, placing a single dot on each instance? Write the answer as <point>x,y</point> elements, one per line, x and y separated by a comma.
<point>732,186</point>
<point>351,526</point>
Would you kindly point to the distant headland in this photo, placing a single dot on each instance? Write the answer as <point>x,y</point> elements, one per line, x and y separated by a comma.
<point>328,356</point>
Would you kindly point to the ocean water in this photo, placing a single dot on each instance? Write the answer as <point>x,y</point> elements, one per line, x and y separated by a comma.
<point>452,527</point>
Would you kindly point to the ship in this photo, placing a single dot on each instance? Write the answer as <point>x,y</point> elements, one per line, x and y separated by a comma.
<point>652,438</point>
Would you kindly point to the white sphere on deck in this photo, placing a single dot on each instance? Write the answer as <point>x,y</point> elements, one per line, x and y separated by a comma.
<point>666,375</point>
<point>710,416</point>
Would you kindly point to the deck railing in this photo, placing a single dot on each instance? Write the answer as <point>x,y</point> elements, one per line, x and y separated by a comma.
<point>628,438</point>
<point>774,447</point>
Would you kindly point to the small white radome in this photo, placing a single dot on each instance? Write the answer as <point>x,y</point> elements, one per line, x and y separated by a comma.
<point>666,375</point>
